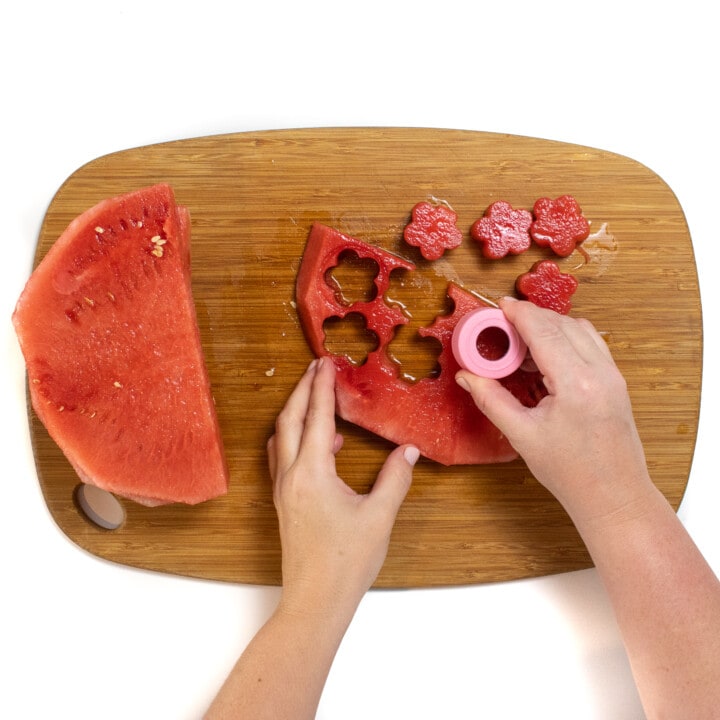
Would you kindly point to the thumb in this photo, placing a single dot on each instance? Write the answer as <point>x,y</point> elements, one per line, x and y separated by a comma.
<point>494,401</point>
<point>395,477</point>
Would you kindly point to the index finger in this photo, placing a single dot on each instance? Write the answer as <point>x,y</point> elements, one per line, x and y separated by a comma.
<point>319,432</point>
<point>290,423</point>
<point>307,422</point>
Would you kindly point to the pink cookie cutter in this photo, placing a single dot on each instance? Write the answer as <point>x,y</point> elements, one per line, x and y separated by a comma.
<point>465,344</point>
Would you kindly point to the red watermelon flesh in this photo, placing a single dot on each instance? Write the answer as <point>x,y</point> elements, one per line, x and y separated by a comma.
<point>116,371</point>
<point>434,413</point>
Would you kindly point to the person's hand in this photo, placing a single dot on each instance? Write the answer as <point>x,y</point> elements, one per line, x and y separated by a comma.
<point>334,540</point>
<point>580,441</point>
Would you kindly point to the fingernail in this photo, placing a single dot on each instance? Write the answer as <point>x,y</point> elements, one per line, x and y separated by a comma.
<point>411,455</point>
<point>463,383</point>
<point>509,298</point>
<point>312,365</point>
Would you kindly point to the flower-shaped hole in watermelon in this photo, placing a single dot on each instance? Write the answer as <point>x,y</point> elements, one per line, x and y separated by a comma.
<point>350,336</point>
<point>353,278</point>
<point>417,356</point>
<point>422,301</point>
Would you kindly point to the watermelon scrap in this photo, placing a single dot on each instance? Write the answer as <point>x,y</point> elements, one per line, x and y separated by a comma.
<point>434,414</point>
<point>115,366</point>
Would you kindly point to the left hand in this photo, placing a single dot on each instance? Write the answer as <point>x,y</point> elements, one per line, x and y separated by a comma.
<point>334,540</point>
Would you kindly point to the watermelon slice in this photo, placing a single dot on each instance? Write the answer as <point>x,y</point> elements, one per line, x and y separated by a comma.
<point>434,413</point>
<point>115,367</point>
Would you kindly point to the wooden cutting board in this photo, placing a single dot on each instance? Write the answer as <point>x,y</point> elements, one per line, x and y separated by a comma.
<point>253,198</point>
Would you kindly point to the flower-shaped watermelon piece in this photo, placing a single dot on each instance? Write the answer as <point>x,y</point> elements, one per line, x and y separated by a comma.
<point>502,230</point>
<point>547,287</point>
<point>559,224</point>
<point>433,229</point>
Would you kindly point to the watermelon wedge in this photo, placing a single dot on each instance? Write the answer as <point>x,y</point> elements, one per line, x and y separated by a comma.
<point>434,413</point>
<point>116,371</point>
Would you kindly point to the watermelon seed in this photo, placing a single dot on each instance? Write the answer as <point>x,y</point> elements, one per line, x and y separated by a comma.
<point>90,302</point>
<point>117,384</point>
<point>111,296</point>
<point>158,242</point>
<point>99,230</point>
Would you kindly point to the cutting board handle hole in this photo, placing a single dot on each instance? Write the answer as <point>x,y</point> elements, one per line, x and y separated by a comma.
<point>100,507</point>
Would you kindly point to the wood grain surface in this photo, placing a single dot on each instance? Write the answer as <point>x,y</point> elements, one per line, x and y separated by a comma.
<point>252,199</point>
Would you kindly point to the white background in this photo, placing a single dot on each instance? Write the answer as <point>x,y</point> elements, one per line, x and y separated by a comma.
<point>85,639</point>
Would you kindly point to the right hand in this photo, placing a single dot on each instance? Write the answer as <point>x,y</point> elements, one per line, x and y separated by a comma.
<point>580,441</point>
